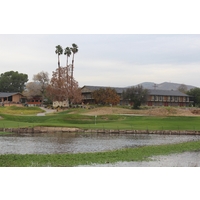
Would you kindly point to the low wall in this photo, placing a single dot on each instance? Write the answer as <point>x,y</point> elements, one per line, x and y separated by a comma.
<point>70,130</point>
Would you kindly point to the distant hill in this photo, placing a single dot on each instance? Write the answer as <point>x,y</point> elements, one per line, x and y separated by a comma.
<point>164,86</point>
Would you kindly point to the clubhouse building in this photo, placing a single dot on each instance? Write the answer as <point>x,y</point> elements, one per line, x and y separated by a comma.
<point>155,97</point>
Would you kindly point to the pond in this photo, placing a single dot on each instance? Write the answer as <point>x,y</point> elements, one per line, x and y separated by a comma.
<point>50,143</point>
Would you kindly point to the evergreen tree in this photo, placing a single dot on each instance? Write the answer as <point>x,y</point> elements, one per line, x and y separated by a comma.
<point>12,81</point>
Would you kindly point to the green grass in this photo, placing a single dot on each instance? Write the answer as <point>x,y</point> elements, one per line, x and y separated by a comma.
<point>15,110</point>
<point>102,122</point>
<point>68,160</point>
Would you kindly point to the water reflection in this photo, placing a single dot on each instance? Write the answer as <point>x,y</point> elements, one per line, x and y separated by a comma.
<point>49,143</point>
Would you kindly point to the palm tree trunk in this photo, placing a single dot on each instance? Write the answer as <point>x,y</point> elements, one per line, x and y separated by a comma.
<point>58,66</point>
<point>67,73</point>
<point>72,73</point>
<point>72,66</point>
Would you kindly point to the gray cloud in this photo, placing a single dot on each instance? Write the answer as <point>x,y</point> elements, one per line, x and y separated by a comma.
<point>107,59</point>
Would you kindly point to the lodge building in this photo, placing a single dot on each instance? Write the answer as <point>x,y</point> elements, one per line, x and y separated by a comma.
<point>167,98</point>
<point>10,98</point>
<point>155,97</point>
<point>16,98</point>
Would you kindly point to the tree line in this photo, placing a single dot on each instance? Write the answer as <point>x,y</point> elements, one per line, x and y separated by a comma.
<point>63,86</point>
<point>60,87</point>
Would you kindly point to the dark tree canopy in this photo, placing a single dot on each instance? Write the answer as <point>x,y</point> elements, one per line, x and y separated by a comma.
<point>183,88</point>
<point>195,95</point>
<point>12,81</point>
<point>106,96</point>
<point>136,95</point>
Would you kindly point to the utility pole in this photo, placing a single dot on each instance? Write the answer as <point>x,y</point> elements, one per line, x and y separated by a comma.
<point>155,86</point>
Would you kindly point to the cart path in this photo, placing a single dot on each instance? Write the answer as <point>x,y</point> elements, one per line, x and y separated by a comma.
<point>47,111</point>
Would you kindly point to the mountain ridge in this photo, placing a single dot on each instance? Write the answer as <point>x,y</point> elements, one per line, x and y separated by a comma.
<point>164,85</point>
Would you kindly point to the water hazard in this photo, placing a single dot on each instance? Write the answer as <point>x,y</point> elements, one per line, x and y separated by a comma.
<point>50,143</point>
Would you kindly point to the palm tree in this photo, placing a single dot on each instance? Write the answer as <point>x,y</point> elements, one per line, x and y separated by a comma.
<point>68,53</point>
<point>59,51</point>
<point>74,50</point>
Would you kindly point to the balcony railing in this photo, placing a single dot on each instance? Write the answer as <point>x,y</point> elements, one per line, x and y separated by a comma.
<point>169,99</point>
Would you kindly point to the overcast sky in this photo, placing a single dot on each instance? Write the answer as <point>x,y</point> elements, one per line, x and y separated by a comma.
<point>107,59</point>
<point>112,50</point>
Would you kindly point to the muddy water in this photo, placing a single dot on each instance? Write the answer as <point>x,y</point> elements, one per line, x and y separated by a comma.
<point>74,143</point>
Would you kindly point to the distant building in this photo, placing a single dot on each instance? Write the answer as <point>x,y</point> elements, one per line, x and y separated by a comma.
<point>155,97</point>
<point>7,98</point>
<point>34,101</point>
<point>167,98</point>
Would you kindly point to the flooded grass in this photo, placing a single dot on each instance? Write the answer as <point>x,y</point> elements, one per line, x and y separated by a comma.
<point>68,160</point>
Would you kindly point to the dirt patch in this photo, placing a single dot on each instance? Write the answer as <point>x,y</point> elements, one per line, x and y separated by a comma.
<point>153,111</point>
<point>109,111</point>
<point>196,111</point>
<point>170,111</point>
<point>55,129</point>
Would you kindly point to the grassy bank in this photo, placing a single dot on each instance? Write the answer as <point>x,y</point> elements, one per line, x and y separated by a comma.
<point>68,160</point>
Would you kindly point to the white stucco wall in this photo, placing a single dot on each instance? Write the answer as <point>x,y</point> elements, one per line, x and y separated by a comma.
<point>63,104</point>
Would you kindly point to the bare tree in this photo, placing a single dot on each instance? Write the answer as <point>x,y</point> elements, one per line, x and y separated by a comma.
<point>42,78</point>
<point>59,89</point>
<point>106,96</point>
<point>32,89</point>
